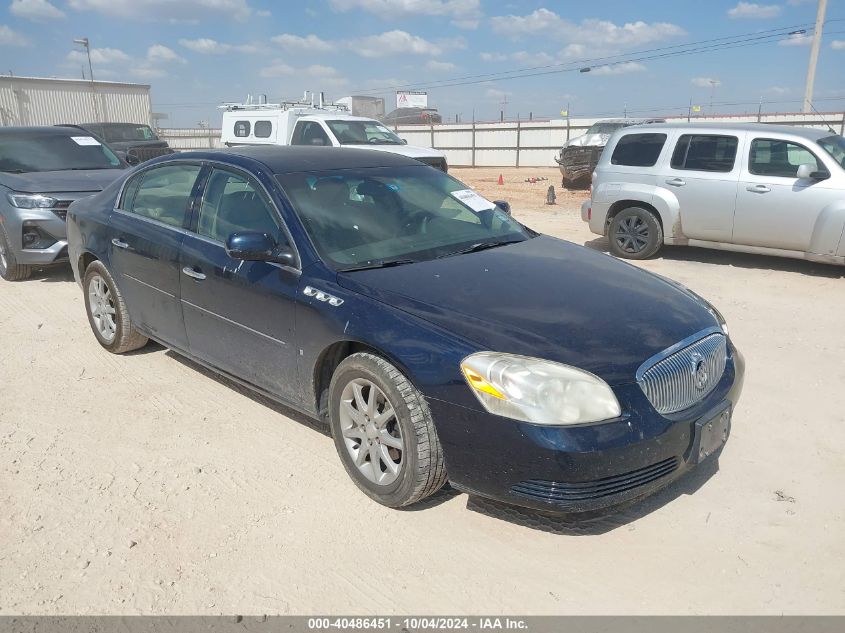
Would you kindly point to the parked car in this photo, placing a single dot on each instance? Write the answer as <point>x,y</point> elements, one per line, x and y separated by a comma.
<point>439,337</point>
<point>133,142</point>
<point>43,170</point>
<point>579,156</point>
<point>412,116</point>
<point>753,188</point>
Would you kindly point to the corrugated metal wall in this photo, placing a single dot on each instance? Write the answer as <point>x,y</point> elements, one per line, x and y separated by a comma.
<point>45,101</point>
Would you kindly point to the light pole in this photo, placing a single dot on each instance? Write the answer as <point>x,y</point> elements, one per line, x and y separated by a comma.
<point>83,41</point>
<point>814,56</point>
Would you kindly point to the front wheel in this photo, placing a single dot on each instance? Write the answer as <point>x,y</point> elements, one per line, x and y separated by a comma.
<point>635,233</point>
<point>10,269</point>
<point>383,432</point>
<point>107,313</point>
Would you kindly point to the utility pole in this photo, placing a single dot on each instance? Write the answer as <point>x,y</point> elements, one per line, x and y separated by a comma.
<point>83,41</point>
<point>814,56</point>
<point>713,84</point>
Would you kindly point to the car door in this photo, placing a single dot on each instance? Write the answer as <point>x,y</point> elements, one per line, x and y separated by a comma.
<point>239,315</point>
<point>774,207</point>
<point>310,133</point>
<point>703,174</point>
<point>146,232</point>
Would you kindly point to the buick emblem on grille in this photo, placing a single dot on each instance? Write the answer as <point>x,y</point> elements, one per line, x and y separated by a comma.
<point>699,369</point>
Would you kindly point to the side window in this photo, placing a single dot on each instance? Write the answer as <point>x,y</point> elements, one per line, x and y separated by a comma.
<point>772,157</point>
<point>263,129</point>
<point>638,150</point>
<point>231,204</point>
<point>163,193</point>
<point>309,133</point>
<point>129,191</point>
<point>242,129</point>
<point>705,152</point>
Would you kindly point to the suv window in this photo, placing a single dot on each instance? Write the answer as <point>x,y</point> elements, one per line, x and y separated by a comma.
<point>638,150</point>
<point>163,193</point>
<point>232,203</point>
<point>705,152</point>
<point>263,129</point>
<point>309,133</point>
<point>242,129</point>
<point>773,157</point>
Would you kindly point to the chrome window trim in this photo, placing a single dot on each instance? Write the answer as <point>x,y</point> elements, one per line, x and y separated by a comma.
<point>677,347</point>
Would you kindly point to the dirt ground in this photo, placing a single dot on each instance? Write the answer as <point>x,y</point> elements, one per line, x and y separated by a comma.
<point>143,484</point>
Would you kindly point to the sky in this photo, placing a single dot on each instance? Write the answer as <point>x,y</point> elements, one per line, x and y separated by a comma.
<point>196,54</point>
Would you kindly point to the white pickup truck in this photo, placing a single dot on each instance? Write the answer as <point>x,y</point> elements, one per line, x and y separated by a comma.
<point>303,124</point>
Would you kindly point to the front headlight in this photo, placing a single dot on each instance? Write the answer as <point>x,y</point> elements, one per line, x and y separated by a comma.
<point>538,391</point>
<point>31,201</point>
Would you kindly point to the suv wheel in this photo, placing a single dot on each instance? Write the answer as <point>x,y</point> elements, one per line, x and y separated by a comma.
<point>383,432</point>
<point>635,233</point>
<point>10,269</point>
<point>107,312</point>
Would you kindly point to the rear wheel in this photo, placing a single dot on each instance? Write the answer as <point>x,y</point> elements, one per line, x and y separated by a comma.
<point>107,313</point>
<point>10,269</point>
<point>383,432</point>
<point>635,233</point>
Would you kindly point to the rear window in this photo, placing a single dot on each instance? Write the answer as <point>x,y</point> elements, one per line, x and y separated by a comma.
<point>638,150</point>
<point>705,152</point>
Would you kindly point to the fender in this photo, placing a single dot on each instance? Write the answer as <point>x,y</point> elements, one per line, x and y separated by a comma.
<point>829,231</point>
<point>664,202</point>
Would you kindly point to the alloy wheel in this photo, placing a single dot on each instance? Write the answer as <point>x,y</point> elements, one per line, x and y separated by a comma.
<point>4,263</point>
<point>101,305</point>
<point>371,431</point>
<point>632,234</point>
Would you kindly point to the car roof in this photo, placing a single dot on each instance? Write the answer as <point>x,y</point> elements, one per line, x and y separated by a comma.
<point>290,159</point>
<point>760,128</point>
<point>41,130</point>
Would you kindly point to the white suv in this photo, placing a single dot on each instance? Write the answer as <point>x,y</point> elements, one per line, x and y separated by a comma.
<point>752,188</point>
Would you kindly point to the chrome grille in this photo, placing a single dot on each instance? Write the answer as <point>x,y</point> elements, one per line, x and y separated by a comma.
<point>679,379</point>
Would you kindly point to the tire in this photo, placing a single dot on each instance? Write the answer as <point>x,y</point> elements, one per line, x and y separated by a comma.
<point>113,330</point>
<point>10,269</point>
<point>635,233</point>
<point>421,470</point>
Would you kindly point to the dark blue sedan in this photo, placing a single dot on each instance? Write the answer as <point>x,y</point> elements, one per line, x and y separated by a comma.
<point>440,339</point>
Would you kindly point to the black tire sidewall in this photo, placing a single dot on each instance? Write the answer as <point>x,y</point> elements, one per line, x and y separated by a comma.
<point>97,268</point>
<point>655,233</point>
<point>361,366</point>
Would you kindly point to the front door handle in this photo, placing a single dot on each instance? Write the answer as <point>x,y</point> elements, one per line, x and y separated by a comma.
<point>676,182</point>
<point>119,243</point>
<point>193,273</point>
<point>758,189</point>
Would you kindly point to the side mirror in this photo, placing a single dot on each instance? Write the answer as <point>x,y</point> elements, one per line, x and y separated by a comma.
<point>808,171</point>
<point>504,205</point>
<point>404,142</point>
<point>258,247</point>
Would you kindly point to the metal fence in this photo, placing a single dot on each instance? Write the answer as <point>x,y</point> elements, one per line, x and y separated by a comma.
<point>513,143</point>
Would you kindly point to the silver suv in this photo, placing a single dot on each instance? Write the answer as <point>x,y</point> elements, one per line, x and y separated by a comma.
<point>752,188</point>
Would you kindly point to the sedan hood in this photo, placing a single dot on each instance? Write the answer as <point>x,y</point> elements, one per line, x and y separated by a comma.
<point>90,180</point>
<point>588,140</point>
<point>545,298</point>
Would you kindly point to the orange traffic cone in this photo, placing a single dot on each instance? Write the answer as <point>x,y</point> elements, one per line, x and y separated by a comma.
<point>501,180</point>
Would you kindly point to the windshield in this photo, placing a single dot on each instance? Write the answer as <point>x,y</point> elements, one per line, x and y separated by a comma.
<point>358,217</point>
<point>604,128</point>
<point>21,153</point>
<point>835,146</point>
<point>123,132</point>
<point>361,132</point>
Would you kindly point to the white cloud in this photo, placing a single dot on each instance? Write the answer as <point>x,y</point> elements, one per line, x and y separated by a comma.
<point>166,10</point>
<point>755,11</point>
<point>524,57</point>
<point>493,57</point>
<point>277,69</point>
<point>440,67</point>
<point>618,69</point>
<point>104,56</point>
<point>309,43</point>
<point>465,14</point>
<point>36,10</point>
<point>208,46</point>
<point>838,45</point>
<point>8,37</point>
<point>592,32</point>
<point>705,82</point>
<point>328,76</point>
<point>496,94</point>
<point>402,43</point>
<point>159,54</point>
<point>798,39</point>
<point>777,91</point>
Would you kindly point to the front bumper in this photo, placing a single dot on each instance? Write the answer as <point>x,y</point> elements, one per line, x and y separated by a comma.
<point>48,222</point>
<point>579,468</point>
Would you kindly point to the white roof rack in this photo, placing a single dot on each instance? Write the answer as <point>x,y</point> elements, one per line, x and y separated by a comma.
<point>286,105</point>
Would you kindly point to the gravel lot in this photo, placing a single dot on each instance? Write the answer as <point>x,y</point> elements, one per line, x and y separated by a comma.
<point>144,484</point>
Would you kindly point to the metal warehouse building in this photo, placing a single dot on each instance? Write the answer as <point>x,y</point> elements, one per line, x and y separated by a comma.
<point>48,101</point>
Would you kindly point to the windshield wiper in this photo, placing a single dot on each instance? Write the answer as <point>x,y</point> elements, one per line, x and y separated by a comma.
<point>385,263</point>
<point>480,246</point>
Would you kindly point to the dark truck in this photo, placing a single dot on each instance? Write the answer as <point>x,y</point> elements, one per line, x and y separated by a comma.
<point>134,142</point>
<point>578,156</point>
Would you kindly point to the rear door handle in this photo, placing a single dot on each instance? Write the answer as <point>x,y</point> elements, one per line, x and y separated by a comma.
<point>758,189</point>
<point>119,243</point>
<point>193,273</point>
<point>676,182</point>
